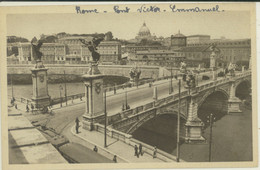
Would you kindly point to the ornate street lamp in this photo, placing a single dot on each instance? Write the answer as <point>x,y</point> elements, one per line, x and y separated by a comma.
<point>61,88</point>
<point>170,85</point>
<point>179,77</point>
<point>210,119</point>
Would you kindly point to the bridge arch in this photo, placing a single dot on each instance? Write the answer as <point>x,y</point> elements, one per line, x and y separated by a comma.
<point>243,89</point>
<point>161,131</point>
<point>149,117</point>
<point>215,102</point>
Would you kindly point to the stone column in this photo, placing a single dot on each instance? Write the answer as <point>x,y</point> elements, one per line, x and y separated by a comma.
<point>194,124</point>
<point>94,113</point>
<point>233,101</point>
<point>243,69</point>
<point>213,65</point>
<point>213,60</point>
<point>40,98</point>
<point>155,94</point>
<point>250,63</point>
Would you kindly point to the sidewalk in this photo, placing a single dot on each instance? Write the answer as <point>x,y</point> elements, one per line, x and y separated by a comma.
<point>123,151</point>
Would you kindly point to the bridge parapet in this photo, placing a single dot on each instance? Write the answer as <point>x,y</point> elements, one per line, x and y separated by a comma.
<point>126,138</point>
<point>128,121</point>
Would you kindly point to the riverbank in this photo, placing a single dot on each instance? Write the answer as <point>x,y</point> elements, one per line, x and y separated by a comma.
<point>26,79</point>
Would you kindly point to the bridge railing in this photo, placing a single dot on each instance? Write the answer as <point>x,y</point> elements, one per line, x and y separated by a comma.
<point>126,138</point>
<point>68,98</point>
<point>115,134</point>
<point>148,149</point>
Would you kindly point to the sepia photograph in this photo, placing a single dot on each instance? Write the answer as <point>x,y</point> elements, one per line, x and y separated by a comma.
<point>144,84</point>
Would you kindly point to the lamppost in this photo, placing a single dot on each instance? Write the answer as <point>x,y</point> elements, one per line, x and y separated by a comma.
<point>211,119</point>
<point>12,86</point>
<point>170,85</point>
<point>105,112</point>
<point>61,88</point>
<point>65,89</point>
<point>178,120</point>
<point>126,104</point>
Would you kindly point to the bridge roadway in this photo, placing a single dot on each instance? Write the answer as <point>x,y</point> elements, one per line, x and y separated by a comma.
<point>135,97</point>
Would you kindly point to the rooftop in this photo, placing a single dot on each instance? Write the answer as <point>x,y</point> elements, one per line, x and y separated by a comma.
<point>198,35</point>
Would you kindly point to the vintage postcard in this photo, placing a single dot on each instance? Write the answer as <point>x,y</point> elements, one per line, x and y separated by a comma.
<point>128,85</point>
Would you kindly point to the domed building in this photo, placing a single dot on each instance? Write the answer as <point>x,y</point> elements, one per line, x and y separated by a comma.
<point>144,33</point>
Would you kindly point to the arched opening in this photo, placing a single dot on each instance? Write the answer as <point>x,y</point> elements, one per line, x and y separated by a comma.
<point>243,90</point>
<point>161,131</point>
<point>216,103</point>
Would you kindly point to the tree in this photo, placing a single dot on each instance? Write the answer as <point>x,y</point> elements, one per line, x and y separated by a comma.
<point>50,39</point>
<point>109,36</point>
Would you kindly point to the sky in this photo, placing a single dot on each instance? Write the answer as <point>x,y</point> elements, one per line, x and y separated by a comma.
<point>232,25</point>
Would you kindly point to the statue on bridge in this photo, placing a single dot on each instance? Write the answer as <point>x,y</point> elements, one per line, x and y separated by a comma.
<point>36,53</point>
<point>92,47</point>
<point>183,68</point>
<point>135,74</point>
<point>231,69</point>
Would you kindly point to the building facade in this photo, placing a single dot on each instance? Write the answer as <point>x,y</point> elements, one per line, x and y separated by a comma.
<point>196,39</point>
<point>163,58</point>
<point>198,55</point>
<point>71,50</point>
<point>231,51</point>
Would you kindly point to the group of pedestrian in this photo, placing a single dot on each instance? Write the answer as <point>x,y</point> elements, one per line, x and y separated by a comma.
<point>125,107</point>
<point>139,151</point>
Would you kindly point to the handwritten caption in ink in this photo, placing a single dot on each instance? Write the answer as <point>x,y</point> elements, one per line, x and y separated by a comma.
<point>150,9</point>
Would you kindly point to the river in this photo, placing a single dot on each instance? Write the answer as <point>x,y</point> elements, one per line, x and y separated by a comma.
<point>232,138</point>
<point>25,91</point>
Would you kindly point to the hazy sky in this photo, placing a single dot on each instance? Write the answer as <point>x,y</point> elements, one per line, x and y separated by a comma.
<point>233,25</point>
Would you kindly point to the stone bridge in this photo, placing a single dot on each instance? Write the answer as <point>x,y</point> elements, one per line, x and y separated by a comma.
<point>219,94</point>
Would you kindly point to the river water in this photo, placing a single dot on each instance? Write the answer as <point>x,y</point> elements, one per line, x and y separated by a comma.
<point>232,138</point>
<point>25,91</point>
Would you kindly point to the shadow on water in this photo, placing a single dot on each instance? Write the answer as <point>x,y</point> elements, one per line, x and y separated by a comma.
<point>160,132</point>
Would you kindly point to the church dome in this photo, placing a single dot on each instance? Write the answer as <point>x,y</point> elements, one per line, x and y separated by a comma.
<point>144,30</point>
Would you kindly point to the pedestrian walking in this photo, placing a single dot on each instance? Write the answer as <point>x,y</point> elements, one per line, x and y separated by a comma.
<point>15,106</point>
<point>123,107</point>
<point>155,152</point>
<point>77,125</point>
<point>115,159</point>
<point>136,151</point>
<point>32,107</point>
<point>12,102</point>
<point>95,148</point>
<point>141,149</point>
<point>27,108</point>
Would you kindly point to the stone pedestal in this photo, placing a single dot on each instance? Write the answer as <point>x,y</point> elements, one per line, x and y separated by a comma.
<point>94,97</point>
<point>233,105</point>
<point>233,102</point>
<point>40,98</point>
<point>193,125</point>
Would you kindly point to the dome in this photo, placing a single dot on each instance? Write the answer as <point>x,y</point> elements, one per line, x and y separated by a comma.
<point>144,31</point>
